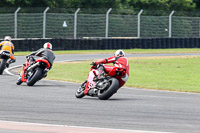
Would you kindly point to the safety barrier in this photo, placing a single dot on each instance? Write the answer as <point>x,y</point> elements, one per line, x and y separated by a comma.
<point>88,44</point>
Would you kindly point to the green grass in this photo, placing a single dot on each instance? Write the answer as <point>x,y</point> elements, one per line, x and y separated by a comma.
<point>133,51</point>
<point>178,74</point>
<point>75,72</point>
<point>166,74</point>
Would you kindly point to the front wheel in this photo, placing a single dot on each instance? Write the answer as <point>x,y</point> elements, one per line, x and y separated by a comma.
<point>112,87</point>
<point>80,91</point>
<point>19,81</point>
<point>35,76</point>
<point>2,65</point>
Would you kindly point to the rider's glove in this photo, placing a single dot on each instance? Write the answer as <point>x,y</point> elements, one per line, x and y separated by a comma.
<point>27,56</point>
<point>93,63</point>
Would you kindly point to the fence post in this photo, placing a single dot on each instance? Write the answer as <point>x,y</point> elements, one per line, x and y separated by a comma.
<point>139,14</point>
<point>44,22</point>
<point>170,24</point>
<point>75,22</point>
<point>199,27</point>
<point>107,21</point>
<point>16,21</point>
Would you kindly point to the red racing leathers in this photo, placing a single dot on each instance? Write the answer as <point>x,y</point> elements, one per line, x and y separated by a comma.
<point>118,61</point>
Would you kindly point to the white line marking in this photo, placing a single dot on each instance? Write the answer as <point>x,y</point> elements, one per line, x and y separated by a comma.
<point>97,128</point>
<point>7,70</point>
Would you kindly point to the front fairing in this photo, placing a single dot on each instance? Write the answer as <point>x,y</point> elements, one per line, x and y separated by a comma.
<point>23,73</point>
<point>90,83</point>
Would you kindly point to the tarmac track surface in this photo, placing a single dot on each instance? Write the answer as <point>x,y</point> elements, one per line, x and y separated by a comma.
<point>133,110</point>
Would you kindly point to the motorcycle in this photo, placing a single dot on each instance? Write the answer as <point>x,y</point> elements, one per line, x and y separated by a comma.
<point>33,70</point>
<point>4,55</point>
<point>103,88</point>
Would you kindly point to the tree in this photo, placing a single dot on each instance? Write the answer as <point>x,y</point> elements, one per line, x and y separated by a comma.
<point>197,2</point>
<point>163,4</point>
<point>119,4</point>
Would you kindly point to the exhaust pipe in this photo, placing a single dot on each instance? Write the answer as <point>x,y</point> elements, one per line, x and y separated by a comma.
<point>33,66</point>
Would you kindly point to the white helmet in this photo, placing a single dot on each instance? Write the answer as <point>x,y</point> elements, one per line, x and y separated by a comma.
<point>47,45</point>
<point>7,38</point>
<point>119,53</point>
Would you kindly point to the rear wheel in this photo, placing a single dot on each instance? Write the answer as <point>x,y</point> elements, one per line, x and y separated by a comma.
<point>2,65</point>
<point>80,91</point>
<point>107,92</point>
<point>35,76</point>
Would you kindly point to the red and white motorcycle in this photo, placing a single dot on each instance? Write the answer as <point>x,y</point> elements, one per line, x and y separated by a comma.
<point>103,88</point>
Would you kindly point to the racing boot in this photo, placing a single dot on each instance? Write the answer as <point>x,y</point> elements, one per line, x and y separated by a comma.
<point>44,75</point>
<point>7,65</point>
<point>45,72</point>
<point>9,62</point>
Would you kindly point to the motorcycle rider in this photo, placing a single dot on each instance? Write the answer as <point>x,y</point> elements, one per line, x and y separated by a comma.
<point>45,53</point>
<point>119,60</point>
<point>8,45</point>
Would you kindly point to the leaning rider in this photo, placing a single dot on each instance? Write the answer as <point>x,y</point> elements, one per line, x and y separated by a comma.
<point>119,60</point>
<point>9,46</point>
<point>45,53</point>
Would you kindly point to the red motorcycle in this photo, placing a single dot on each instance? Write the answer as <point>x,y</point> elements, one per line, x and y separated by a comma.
<point>103,88</point>
<point>33,70</point>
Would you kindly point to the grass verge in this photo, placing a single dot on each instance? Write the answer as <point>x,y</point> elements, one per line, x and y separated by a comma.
<point>175,74</point>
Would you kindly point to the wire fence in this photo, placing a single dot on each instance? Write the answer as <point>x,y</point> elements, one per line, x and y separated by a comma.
<point>79,23</point>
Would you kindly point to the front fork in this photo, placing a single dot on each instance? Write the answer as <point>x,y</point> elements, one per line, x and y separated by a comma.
<point>23,74</point>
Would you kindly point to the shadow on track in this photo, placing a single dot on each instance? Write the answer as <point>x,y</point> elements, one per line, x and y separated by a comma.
<point>111,99</point>
<point>43,85</point>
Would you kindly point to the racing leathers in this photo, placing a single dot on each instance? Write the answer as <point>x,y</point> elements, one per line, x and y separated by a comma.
<point>45,54</point>
<point>118,61</point>
<point>9,46</point>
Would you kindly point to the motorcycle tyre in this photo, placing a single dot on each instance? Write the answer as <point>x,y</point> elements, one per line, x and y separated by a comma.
<point>2,65</point>
<point>35,77</point>
<point>106,94</point>
<point>81,94</point>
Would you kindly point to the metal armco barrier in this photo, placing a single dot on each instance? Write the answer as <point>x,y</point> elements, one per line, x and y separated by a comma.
<point>88,44</point>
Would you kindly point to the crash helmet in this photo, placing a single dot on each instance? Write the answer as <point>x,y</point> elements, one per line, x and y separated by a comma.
<point>47,45</point>
<point>7,38</point>
<point>119,53</point>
